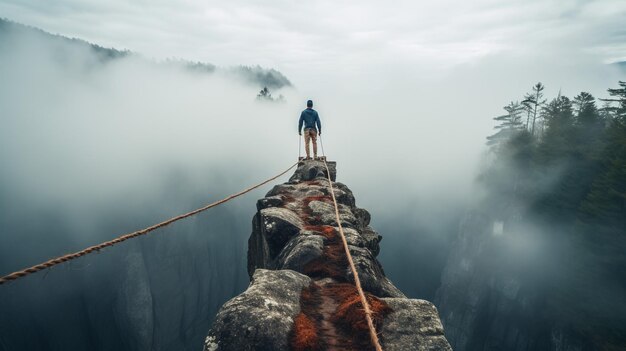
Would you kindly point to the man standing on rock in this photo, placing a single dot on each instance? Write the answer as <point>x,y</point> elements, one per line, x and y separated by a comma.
<point>311,120</point>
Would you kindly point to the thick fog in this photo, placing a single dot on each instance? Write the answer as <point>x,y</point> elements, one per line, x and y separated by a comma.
<point>90,150</point>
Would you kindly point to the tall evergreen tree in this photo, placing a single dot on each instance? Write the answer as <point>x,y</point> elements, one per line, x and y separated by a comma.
<point>559,137</point>
<point>534,101</point>
<point>618,95</point>
<point>589,125</point>
<point>264,95</point>
<point>604,210</point>
<point>528,105</point>
<point>571,182</point>
<point>587,115</point>
<point>509,125</point>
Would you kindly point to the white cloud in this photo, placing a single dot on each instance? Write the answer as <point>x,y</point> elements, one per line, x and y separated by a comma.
<point>410,83</point>
<point>294,35</point>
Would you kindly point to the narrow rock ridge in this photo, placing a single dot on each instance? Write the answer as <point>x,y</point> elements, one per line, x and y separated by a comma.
<point>302,294</point>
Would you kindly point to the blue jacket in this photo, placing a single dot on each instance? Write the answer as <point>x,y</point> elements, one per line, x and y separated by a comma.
<point>310,119</point>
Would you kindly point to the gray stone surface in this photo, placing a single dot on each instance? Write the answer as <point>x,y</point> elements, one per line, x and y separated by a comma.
<point>273,227</point>
<point>372,240</point>
<point>270,201</point>
<point>363,217</point>
<point>371,274</point>
<point>312,170</point>
<point>413,325</point>
<point>301,250</point>
<point>344,195</point>
<point>281,241</point>
<point>262,316</point>
<point>326,212</point>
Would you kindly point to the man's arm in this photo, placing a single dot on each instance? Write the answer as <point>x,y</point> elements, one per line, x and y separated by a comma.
<point>300,123</point>
<point>319,124</point>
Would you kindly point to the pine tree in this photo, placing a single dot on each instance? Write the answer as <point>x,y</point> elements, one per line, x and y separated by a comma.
<point>559,137</point>
<point>264,95</point>
<point>604,209</point>
<point>534,101</point>
<point>528,105</point>
<point>587,115</point>
<point>572,180</point>
<point>589,126</point>
<point>619,96</point>
<point>510,125</point>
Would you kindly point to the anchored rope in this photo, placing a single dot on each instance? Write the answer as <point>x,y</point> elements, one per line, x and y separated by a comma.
<point>68,257</point>
<point>357,281</point>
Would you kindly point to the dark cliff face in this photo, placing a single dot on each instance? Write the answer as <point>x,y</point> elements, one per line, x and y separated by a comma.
<point>160,292</point>
<point>301,294</point>
<point>490,300</point>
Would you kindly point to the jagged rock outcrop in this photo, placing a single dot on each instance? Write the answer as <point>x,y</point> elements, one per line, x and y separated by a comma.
<point>262,315</point>
<point>302,294</point>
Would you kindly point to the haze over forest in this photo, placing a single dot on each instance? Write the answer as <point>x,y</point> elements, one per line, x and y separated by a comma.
<point>98,142</point>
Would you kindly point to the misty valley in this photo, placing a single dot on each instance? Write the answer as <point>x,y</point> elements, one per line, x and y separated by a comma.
<point>96,142</point>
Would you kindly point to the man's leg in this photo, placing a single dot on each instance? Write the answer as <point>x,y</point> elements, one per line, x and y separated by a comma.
<point>307,141</point>
<point>314,137</point>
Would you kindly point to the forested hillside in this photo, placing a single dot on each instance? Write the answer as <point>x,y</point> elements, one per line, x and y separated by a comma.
<point>558,176</point>
<point>11,32</point>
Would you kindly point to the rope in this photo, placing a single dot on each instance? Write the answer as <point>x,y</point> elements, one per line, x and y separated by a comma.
<point>357,281</point>
<point>68,257</point>
<point>322,145</point>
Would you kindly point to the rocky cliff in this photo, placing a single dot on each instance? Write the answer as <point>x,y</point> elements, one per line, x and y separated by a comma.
<point>493,293</point>
<point>302,294</point>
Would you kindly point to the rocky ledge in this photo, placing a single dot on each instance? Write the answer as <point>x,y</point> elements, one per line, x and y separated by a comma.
<point>302,294</point>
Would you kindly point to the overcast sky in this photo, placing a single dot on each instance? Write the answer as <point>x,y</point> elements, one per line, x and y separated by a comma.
<point>315,40</point>
<point>410,81</point>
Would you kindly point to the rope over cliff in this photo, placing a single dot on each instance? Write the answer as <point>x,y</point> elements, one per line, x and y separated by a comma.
<point>95,248</point>
<point>302,294</point>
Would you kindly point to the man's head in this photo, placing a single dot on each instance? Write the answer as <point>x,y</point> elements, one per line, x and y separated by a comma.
<point>309,103</point>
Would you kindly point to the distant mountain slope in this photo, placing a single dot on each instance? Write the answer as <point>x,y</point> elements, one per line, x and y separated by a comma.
<point>8,28</point>
<point>263,77</point>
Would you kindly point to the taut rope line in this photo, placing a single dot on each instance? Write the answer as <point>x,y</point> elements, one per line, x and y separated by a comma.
<point>357,281</point>
<point>68,257</point>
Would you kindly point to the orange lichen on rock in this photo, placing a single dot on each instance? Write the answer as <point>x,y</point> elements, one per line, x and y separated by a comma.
<point>350,314</point>
<point>333,262</point>
<point>329,232</point>
<point>305,334</point>
<point>332,314</point>
<point>306,213</point>
<point>326,231</point>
